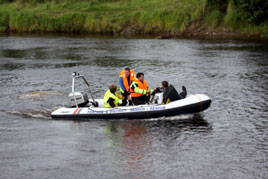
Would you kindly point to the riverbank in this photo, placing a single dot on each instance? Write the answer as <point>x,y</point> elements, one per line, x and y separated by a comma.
<point>163,19</point>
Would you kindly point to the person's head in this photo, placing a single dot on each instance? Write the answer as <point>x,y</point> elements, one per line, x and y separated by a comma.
<point>127,71</point>
<point>140,76</point>
<point>164,84</point>
<point>113,88</point>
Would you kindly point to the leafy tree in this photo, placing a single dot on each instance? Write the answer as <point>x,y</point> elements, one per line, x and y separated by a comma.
<point>220,5</point>
<point>6,1</point>
<point>252,11</point>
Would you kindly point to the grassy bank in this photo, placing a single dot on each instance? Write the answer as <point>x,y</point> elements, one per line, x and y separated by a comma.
<point>154,17</point>
<point>100,16</point>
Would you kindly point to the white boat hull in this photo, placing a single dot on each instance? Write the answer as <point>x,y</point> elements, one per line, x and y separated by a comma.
<point>190,104</point>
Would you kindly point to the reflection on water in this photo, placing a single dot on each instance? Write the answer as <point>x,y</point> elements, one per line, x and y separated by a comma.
<point>110,62</point>
<point>135,142</point>
<point>16,53</point>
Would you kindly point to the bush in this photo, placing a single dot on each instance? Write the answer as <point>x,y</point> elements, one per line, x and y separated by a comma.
<point>4,18</point>
<point>220,5</point>
<point>252,11</point>
<point>214,18</point>
<point>231,20</point>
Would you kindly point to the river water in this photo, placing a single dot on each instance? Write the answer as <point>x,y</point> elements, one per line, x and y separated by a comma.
<point>229,140</point>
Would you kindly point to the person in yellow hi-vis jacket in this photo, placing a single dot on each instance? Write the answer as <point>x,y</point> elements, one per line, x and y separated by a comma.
<point>139,91</point>
<point>111,97</point>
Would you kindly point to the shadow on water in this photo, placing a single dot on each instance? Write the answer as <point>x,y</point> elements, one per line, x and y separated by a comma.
<point>110,62</point>
<point>12,66</point>
<point>37,53</point>
<point>14,53</point>
<point>245,48</point>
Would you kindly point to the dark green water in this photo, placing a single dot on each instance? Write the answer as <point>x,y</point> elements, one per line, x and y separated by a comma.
<point>229,140</point>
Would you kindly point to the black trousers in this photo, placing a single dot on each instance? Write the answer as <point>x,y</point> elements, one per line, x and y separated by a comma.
<point>124,101</point>
<point>140,100</point>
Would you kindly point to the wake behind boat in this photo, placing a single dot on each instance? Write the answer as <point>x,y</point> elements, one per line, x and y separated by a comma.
<point>80,107</point>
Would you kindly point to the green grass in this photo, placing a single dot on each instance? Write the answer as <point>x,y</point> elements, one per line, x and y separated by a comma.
<point>98,16</point>
<point>214,18</point>
<point>231,20</point>
<point>153,17</point>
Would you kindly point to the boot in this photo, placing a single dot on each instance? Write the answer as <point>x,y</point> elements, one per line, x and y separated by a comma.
<point>184,91</point>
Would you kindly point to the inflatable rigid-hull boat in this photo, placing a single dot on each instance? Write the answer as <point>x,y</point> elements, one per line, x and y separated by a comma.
<point>83,108</point>
<point>190,104</point>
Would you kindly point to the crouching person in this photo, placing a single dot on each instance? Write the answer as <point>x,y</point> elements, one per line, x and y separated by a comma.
<point>140,93</point>
<point>171,94</point>
<point>111,97</point>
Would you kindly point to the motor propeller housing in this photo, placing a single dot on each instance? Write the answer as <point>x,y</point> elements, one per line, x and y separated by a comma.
<point>80,98</point>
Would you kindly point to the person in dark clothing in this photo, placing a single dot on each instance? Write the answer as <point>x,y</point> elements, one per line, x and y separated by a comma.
<point>171,94</point>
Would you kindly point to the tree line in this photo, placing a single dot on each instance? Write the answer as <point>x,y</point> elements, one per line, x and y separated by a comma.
<point>248,11</point>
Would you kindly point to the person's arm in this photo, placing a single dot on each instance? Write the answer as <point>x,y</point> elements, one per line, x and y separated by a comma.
<point>111,102</point>
<point>150,91</point>
<point>165,97</point>
<point>136,89</point>
<point>119,95</point>
<point>122,84</point>
<point>159,90</point>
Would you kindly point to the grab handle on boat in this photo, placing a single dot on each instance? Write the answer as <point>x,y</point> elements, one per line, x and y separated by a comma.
<point>77,75</point>
<point>95,104</point>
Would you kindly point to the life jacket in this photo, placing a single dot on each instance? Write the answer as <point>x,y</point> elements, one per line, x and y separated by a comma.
<point>108,95</point>
<point>125,80</point>
<point>141,85</point>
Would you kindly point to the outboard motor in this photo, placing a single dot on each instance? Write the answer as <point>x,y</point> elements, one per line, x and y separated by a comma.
<point>81,99</point>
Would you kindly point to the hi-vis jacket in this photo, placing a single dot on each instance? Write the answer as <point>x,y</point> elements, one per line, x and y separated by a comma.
<point>108,95</point>
<point>124,85</point>
<point>138,88</point>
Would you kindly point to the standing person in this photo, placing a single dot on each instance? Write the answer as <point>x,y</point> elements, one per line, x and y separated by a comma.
<point>111,97</point>
<point>139,90</point>
<point>171,94</point>
<point>126,77</point>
